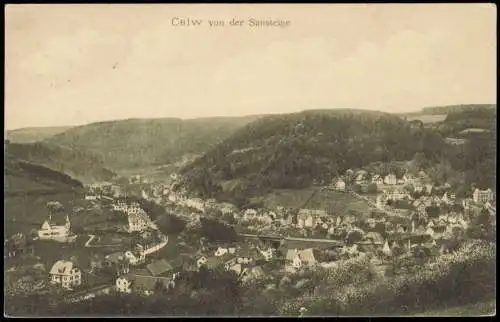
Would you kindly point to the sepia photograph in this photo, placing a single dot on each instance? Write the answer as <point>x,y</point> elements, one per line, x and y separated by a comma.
<point>250,160</point>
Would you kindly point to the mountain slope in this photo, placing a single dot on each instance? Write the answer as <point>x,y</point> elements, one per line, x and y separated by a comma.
<point>34,134</point>
<point>21,177</point>
<point>77,164</point>
<point>293,150</point>
<point>140,142</point>
<point>482,118</point>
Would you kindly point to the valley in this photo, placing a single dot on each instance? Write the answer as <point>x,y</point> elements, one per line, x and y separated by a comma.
<point>311,209</point>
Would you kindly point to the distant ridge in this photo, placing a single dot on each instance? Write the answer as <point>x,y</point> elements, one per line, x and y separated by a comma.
<point>136,143</point>
<point>455,108</point>
<point>80,165</point>
<point>34,134</point>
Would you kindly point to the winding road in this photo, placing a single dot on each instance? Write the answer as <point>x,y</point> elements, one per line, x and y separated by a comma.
<point>92,237</point>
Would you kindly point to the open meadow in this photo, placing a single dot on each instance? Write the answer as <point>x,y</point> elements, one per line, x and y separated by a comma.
<point>23,213</point>
<point>334,202</point>
<point>427,119</point>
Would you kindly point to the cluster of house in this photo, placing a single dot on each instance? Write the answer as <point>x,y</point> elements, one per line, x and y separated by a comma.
<point>102,190</point>
<point>363,178</point>
<point>17,245</point>
<point>124,264</point>
<point>246,261</point>
<point>138,219</point>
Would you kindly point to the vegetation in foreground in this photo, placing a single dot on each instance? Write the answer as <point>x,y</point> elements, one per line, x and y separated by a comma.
<point>354,288</point>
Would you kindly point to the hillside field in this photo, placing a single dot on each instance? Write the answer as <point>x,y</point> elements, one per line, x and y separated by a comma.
<point>339,202</point>
<point>23,213</point>
<point>427,119</point>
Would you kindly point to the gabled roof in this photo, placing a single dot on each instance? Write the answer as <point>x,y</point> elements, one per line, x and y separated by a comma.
<point>375,236</point>
<point>142,282</point>
<point>159,267</point>
<point>291,254</point>
<point>307,255</point>
<point>62,267</point>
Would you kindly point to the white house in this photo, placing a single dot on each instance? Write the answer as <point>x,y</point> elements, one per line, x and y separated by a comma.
<point>418,187</point>
<point>201,261</point>
<point>142,284</point>
<point>249,214</point>
<point>227,208</point>
<point>448,198</point>
<point>221,251</point>
<point>268,254</point>
<point>138,221</point>
<point>172,197</point>
<point>135,258</point>
<point>296,259</point>
<point>50,231</point>
<point>409,179</point>
<point>420,206</point>
<point>340,185</point>
<point>377,179</point>
<point>482,196</point>
<point>390,179</point>
<point>66,274</point>
<point>381,201</point>
<point>195,203</point>
<point>360,177</point>
<point>396,194</point>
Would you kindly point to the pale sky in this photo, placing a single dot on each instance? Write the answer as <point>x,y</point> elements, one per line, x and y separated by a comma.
<point>77,64</point>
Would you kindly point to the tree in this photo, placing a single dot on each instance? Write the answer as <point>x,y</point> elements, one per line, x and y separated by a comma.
<point>216,231</point>
<point>372,188</point>
<point>433,211</point>
<point>380,228</point>
<point>229,218</point>
<point>357,188</point>
<point>54,207</point>
<point>419,161</point>
<point>159,287</point>
<point>353,237</point>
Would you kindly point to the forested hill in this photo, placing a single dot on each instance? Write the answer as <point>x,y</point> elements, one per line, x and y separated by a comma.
<point>27,178</point>
<point>290,151</point>
<point>75,163</point>
<point>482,118</point>
<point>135,143</point>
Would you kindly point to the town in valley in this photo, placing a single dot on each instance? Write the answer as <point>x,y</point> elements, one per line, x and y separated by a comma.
<point>250,161</point>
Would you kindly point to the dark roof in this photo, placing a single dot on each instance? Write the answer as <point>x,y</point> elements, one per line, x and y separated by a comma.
<point>213,262</point>
<point>159,267</point>
<point>183,262</point>
<point>141,282</point>
<point>366,248</point>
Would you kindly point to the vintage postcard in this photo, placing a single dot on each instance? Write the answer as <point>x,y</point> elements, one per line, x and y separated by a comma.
<point>250,160</point>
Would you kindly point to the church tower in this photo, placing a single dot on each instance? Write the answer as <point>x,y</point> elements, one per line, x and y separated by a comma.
<point>68,224</point>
